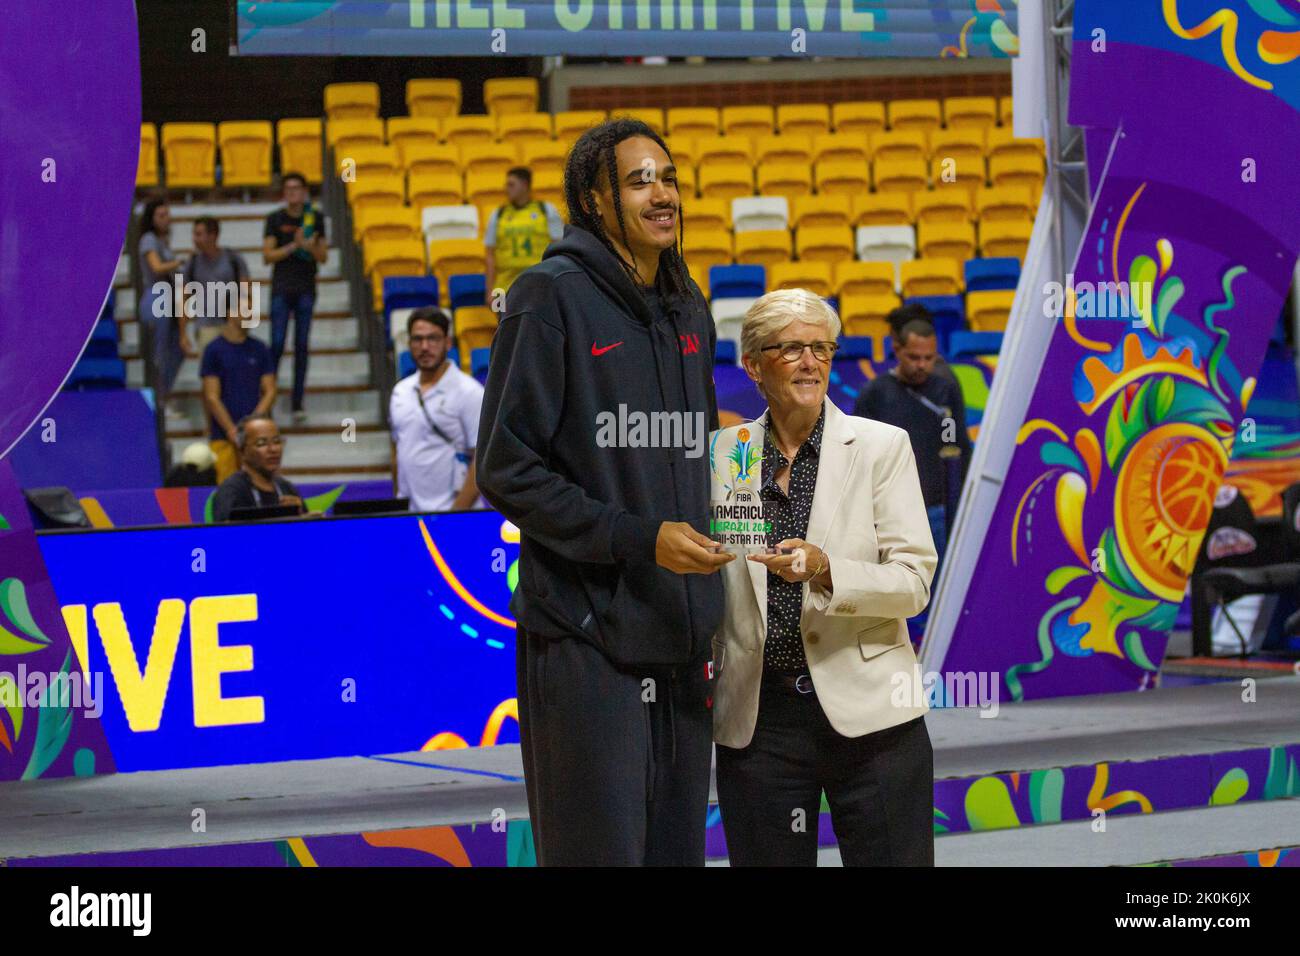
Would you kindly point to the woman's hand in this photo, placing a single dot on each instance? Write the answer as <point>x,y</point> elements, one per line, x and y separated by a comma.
<point>806,562</point>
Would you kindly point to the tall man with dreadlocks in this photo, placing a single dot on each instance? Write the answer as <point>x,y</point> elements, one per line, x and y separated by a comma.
<point>618,598</point>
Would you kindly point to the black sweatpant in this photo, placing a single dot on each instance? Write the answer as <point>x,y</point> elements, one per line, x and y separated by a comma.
<point>616,762</point>
<point>880,788</point>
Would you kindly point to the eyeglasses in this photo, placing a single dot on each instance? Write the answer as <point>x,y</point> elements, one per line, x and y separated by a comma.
<point>431,339</point>
<point>793,351</point>
<point>277,442</point>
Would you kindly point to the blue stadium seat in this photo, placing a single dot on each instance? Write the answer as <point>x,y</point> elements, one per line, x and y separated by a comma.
<point>948,313</point>
<point>103,341</point>
<point>856,347</point>
<point>968,345</point>
<point>725,353</point>
<point>737,282</point>
<point>479,360</point>
<point>97,373</point>
<point>995,273</point>
<point>470,289</point>
<point>407,292</point>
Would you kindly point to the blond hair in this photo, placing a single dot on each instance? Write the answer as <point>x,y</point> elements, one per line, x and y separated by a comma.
<point>771,313</point>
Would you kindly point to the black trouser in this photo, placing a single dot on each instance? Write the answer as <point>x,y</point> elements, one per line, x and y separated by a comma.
<point>880,788</point>
<point>617,769</point>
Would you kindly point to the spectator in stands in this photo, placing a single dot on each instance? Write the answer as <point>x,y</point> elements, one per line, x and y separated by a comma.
<point>163,339</point>
<point>930,408</point>
<point>238,381</point>
<point>916,312</point>
<point>214,266</point>
<point>258,483</point>
<point>518,231</point>
<point>434,414</point>
<point>294,244</point>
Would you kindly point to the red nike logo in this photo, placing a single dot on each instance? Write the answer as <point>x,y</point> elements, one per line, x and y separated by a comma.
<point>602,351</point>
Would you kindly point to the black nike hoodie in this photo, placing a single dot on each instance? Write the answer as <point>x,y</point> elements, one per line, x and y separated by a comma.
<point>578,339</point>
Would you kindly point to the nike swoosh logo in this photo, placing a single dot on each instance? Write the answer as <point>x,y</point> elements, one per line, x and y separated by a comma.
<point>602,351</point>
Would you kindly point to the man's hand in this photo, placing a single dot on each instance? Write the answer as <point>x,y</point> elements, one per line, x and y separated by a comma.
<point>298,241</point>
<point>293,500</point>
<point>805,562</point>
<point>683,550</point>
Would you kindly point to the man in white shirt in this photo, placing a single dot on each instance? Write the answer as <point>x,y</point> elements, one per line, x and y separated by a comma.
<point>434,416</point>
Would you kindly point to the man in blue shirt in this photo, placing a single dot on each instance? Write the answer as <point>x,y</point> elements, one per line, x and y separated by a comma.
<point>238,380</point>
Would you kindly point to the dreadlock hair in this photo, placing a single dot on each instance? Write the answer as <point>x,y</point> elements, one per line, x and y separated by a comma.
<point>594,151</point>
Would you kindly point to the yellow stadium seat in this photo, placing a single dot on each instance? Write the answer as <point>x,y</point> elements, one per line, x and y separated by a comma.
<point>790,180</point>
<point>762,247</point>
<point>548,185</point>
<point>514,94</point>
<point>941,205</point>
<point>349,133</point>
<point>807,119</point>
<point>436,189</point>
<point>451,257</point>
<point>368,161</point>
<point>495,158</point>
<point>914,114</point>
<point>475,326</point>
<point>386,224</point>
<point>989,310</point>
<point>1014,170</point>
<point>650,115</point>
<point>824,245</point>
<point>930,277</point>
<point>854,277</point>
<point>726,180</point>
<point>1000,142</point>
<point>406,131</point>
<point>890,208</point>
<point>245,152</point>
<point>351,101</point>
<point>811,275</point>
<point>538,155</point>
<point>570,124</point>
<point>433,98</point>
<point>866,316</point>
<point>848,147</point>
<point>701,278</point>
<point>748,121</point>
<point>487,188</point>
<point>814,212</point>
<point>1004,110</point>
<point>790,148</point>
<point>705,248</point>
<point>146,170</point>
<point>379,189</point>
<point>463,130</point>
<point>841,178</point>
<point>709,214</point>
<point>979,112</point>
<point>998,203</point>
<point>719,150</point>
<point>964,144</point>
<point>422,158</point>
<point>899,144</point>
<point>908,174</point>
<point>945,240</point>
<point>1005,237</point>
<point>963,175</point>
<point>686,185</point>
<point>383,260</point>
<point>858,116</point>
<point>694,121</point>
<point>681,149</point>
<point>524,127</point>
<point>190,152</point>
<point>300,147</point>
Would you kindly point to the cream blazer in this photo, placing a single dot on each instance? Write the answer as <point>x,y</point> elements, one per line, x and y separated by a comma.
<point>869,517</point>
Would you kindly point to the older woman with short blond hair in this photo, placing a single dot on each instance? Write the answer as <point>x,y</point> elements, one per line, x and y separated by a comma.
<point>814,646</point>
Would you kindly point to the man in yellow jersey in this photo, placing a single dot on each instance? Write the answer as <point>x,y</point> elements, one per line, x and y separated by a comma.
<point>518,231</point>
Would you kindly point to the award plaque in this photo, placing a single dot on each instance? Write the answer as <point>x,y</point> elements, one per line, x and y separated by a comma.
<point>737,519</point>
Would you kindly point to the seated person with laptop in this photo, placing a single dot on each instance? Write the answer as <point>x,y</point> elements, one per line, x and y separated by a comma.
<point>257,484</point>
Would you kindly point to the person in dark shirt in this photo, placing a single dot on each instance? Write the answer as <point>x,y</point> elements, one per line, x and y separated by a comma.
<point>238,380</point>
<point>258,483</point>
<point>294,244</point>
<point>929,407</point>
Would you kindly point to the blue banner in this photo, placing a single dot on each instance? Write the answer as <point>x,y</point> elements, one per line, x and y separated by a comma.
<point>712,28</point>
<point>229,644</point>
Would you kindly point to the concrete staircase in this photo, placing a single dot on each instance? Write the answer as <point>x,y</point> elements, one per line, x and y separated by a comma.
<point>339,380</point>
